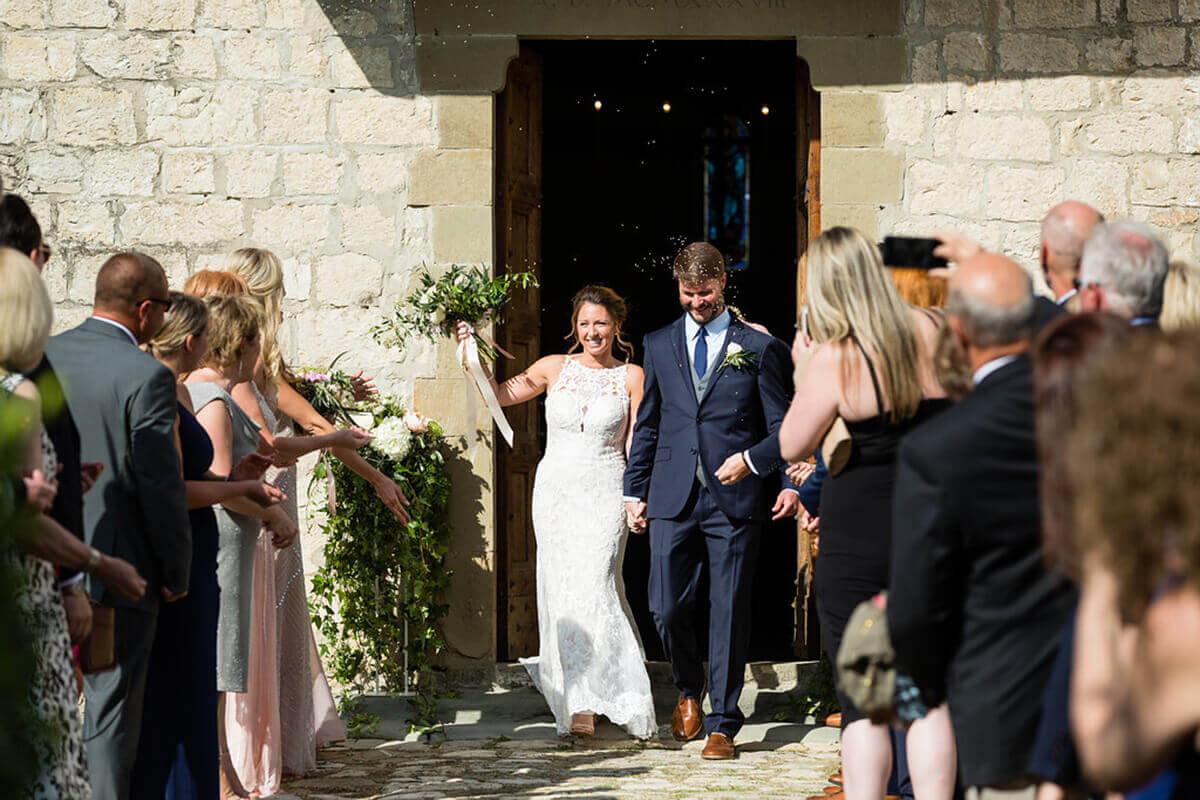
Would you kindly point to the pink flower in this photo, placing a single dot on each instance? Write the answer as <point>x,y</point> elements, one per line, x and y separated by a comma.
<point>315,377</point>
<point>416,422</point>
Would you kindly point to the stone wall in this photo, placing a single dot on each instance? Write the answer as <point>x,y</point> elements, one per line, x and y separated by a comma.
<point>1013,105</point>
<point>192,127</point>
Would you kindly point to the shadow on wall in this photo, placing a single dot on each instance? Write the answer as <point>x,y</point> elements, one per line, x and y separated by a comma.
<point>469,627</point>
<point>869,43</point>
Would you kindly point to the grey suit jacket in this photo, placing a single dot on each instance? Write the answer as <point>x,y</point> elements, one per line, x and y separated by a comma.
<point>124,405</point>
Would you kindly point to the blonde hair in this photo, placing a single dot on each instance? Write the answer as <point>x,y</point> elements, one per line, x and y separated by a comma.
<point>231,321</point>
<point>263,272</point>
<point>1181,297</point>
<point>851,295</point>
<point>26,312</point>
<point>204,282</point>
<point>187,316</point>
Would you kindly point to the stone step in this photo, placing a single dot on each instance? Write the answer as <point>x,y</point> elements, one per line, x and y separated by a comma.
<point>500,702</point>
<point>775,675</point>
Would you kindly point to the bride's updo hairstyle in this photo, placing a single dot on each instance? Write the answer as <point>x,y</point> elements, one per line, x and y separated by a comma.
<point>613,303</point>
<point>263,273</point>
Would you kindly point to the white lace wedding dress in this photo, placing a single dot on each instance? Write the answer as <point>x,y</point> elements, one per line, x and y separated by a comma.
<point>589,657</point>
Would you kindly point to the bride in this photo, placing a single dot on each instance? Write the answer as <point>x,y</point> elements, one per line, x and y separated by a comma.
<point>589,661</point>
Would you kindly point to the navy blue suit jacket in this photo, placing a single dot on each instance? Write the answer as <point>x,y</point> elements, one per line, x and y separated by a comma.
<point>741,410</point>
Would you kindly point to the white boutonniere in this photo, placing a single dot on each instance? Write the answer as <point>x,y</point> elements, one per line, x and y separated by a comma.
<point>738,357</point>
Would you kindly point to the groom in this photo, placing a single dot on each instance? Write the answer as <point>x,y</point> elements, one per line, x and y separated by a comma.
<point>715,394</point>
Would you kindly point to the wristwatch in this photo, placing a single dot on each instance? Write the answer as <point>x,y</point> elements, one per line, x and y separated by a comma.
<point>93,560</point>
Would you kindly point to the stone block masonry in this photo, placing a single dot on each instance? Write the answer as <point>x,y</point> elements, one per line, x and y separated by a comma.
<point>1012,106</point>
<point>190,128</point>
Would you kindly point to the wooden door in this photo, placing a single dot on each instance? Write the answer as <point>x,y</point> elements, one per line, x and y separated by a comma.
<point>518,249</point>
<point>807,640</point>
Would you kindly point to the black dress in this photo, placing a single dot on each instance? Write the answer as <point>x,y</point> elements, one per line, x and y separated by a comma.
<point>856,523</point>
<point>177,753</point>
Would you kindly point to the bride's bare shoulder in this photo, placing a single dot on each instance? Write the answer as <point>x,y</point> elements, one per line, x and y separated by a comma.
<point>549,366</point>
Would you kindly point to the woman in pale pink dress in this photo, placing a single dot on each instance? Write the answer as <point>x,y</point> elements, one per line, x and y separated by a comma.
<point>270,743</point>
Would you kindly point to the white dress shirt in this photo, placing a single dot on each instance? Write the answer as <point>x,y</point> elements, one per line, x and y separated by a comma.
<point>715,332</point>
<point>987,368</point>
<point>116,324</point>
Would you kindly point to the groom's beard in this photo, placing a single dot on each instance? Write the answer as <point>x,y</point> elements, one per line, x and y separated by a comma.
<point>713,311</point>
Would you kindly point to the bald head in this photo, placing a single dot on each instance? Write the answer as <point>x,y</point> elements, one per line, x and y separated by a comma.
<point>992,296</point>
<point>1067,227</point>
<point>127,279</point>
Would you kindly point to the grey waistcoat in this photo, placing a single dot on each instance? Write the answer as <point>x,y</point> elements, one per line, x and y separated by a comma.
<point>701,386</point>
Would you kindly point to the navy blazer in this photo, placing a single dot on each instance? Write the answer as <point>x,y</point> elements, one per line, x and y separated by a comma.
<point>742,409</point>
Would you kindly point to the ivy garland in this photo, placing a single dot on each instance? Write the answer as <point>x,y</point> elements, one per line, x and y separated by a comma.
<point>376,600</point>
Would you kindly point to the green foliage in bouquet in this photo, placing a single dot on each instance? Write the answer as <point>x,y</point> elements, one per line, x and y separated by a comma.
<point>329,391</point>
<point>382,581</point>
<point>462,294</point>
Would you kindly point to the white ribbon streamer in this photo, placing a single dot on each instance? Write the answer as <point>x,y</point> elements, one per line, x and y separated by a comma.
<point>468,356</point>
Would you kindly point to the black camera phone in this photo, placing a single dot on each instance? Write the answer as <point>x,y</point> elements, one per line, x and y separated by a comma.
<point>907,251</point>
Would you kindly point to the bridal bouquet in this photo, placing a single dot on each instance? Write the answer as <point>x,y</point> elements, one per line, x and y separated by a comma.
<point>462,294</point>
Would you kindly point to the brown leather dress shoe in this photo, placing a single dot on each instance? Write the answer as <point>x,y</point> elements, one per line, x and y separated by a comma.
<point>687,722</point>
<point>719,747</point>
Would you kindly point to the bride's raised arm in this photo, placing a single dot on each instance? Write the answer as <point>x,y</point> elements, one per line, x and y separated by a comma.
<point>526,386</point>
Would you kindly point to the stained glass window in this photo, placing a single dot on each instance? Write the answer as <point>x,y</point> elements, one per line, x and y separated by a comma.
<point>726,167</point>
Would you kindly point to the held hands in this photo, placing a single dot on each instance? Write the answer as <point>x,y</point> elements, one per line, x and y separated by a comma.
<point>733,470</point>
<point>787,504</point>
<point>635,516</point>
<point>283,530</point>
<point>810,523</point>
<point>462,332</point>
<point>39,492</point>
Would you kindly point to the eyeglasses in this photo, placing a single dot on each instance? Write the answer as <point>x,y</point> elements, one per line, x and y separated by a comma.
<point>166,304</point>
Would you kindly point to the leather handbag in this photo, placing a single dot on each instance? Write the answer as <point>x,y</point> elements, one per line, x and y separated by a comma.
<point>97,653</point>
<point>836,446</point>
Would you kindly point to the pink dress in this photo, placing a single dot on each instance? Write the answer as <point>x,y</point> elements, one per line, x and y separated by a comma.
<point>275,728</point>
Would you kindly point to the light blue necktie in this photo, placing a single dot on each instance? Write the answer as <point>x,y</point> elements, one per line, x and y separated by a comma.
<point>700,359</point>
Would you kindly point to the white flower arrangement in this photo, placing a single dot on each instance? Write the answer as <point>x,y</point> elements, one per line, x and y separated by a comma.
<point>737,357</point>
<point>392,437</point>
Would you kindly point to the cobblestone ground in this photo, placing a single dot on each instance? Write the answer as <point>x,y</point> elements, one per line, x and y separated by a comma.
<point>367,769</point>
